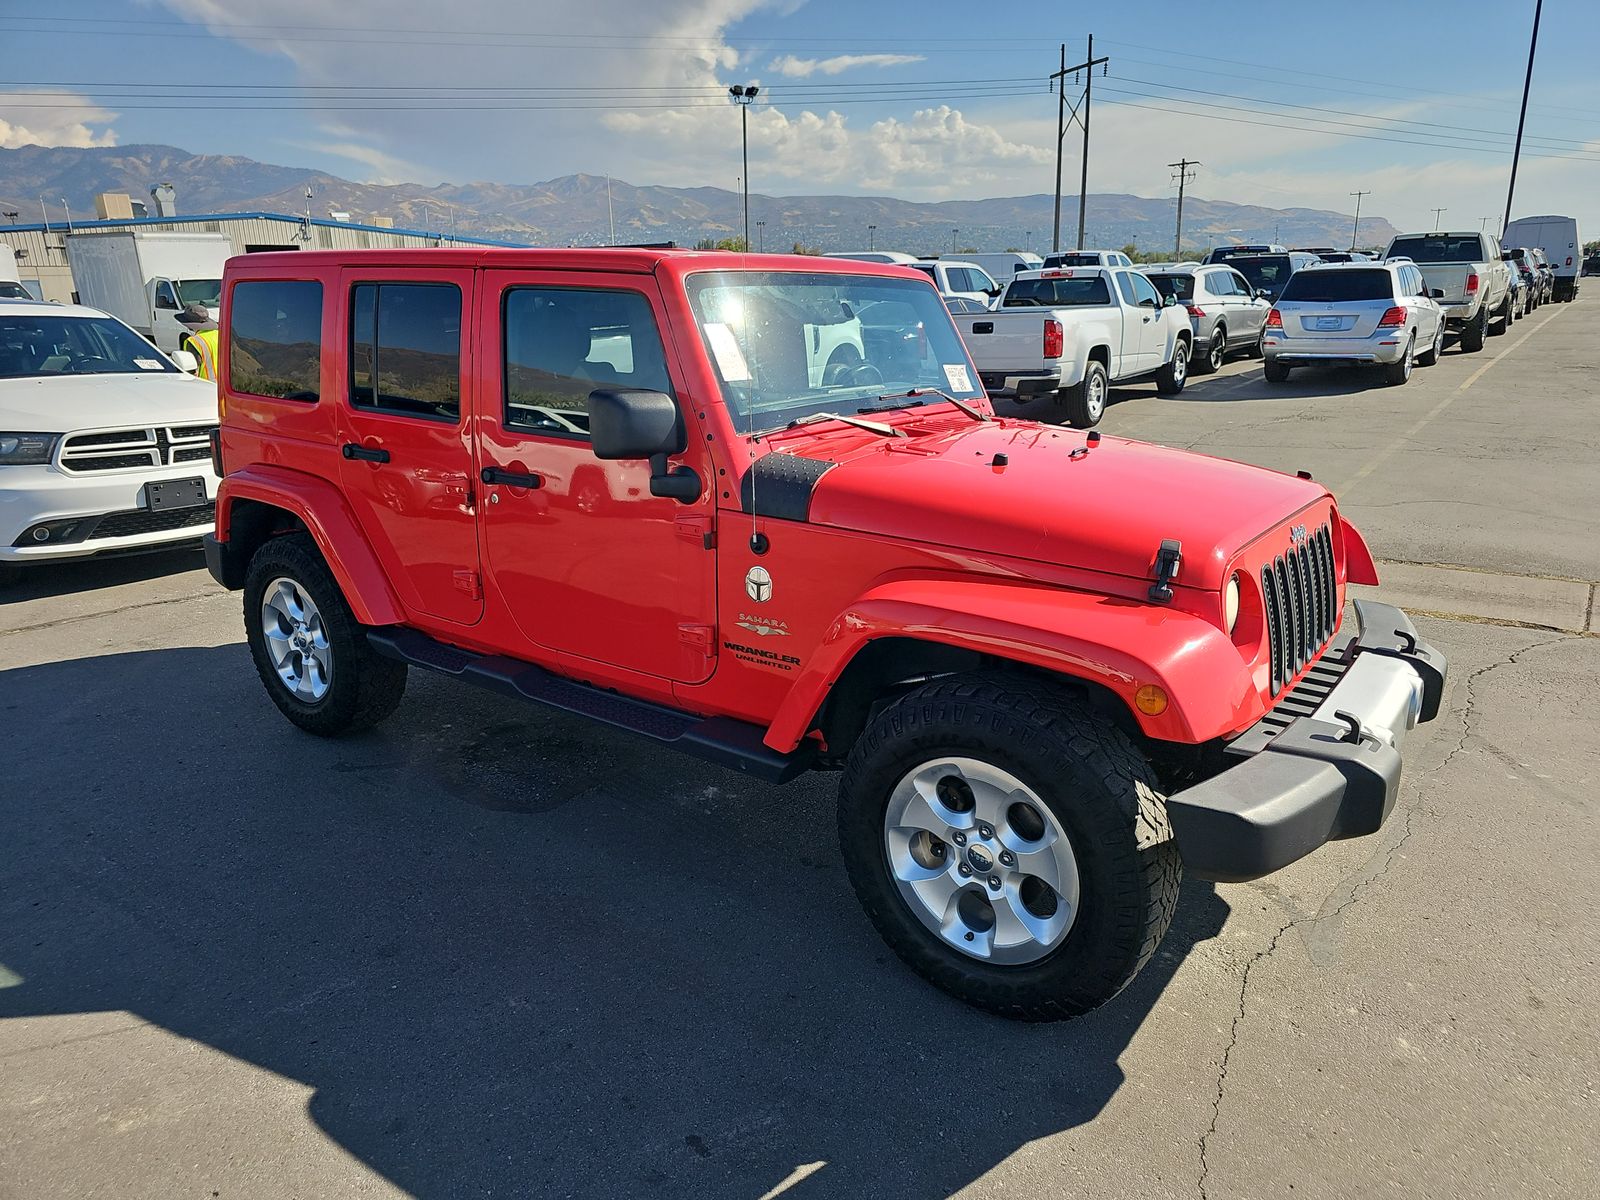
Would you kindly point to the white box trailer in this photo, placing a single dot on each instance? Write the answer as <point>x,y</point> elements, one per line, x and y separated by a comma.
<point>146,279</point>
<point>1558,238</point>
<point>10,281</point>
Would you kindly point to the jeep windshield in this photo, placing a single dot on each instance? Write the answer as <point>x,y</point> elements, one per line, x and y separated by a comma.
<point>34,346</point>
<point>787,345</point>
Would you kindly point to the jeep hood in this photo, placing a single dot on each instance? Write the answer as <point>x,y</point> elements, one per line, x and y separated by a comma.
<point>1056,498</point>
<point>67,403</point>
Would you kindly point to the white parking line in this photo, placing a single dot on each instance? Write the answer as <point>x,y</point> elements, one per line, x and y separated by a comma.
<point>1404,439</point>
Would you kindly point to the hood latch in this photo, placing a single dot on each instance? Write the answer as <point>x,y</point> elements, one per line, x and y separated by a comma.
<point>1168,559</point>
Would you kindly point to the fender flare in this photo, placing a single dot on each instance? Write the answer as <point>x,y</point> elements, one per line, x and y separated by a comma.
<point>322,509</point>
<point>1359,566</point>
<point>1116,643</point>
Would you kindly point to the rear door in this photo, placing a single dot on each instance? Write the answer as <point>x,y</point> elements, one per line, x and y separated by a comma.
<point>587,561</point>
<point>406,456</point>
<point>1247,312</point>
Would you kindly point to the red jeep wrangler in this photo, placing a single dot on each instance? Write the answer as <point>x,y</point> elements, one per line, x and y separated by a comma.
<point>758,508</point>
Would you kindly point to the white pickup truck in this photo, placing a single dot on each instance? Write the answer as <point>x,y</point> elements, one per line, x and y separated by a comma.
<point>1072,332</point>
<point>1465,274</point>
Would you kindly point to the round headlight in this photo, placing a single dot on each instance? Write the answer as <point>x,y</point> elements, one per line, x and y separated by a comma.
<point>1230,604</point>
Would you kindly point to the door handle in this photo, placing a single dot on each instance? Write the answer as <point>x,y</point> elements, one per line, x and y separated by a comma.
<point>983,327</point>
<point>364,453</point>
<point>510,478</point>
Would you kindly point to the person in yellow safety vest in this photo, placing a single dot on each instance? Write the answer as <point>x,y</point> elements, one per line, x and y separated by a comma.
<point>200,340</point>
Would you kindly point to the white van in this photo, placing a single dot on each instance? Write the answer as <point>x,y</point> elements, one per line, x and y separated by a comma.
<point>1002,265</point>
<point>893,257</point>
<point>1558,238</point>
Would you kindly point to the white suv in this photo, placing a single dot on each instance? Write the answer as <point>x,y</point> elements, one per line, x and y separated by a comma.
<point>104,440</point>
<point>1365,312</point>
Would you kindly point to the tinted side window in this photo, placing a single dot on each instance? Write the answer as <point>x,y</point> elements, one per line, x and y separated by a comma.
<point>562,343</point>
<point>1125,286</point>
<point>1240,287</point>
<point>405,349</point>
<point>1145,292</point>
<point>275,339</point>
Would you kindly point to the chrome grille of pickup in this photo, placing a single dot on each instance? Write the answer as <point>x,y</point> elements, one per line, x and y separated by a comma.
<point>130,449</point>
<point>1302,603</point>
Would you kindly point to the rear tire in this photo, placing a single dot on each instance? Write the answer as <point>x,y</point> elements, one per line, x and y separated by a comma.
<point>1275,371</point>
<point>1085,402</point>
<point>1031,949</point>
<point>1501,323</point>
<point>1430,356</point>
<point>1171,378</point>
<point>340,683</point>
<point>1397,373</point>
<point>1216,353</point>
<point>1472,332</point>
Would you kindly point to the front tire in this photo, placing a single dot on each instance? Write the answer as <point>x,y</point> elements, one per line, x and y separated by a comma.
<point>1171,378</point>
<point>311,653</point>
<point>1085,402</point>
<point>1009,844</point>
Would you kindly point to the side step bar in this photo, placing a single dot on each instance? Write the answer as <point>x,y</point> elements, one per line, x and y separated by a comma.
<point>722,740</point>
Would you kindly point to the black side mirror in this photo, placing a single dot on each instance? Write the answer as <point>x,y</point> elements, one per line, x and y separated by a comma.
<point>1436,293</point>
<point>1263,294</point>
<point>1169,302</point>
<point>165,301</point>
<point>994,291</point>
<point>631,423</point>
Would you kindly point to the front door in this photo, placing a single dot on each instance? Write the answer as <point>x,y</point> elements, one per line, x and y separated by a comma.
<point>587,560</point>
<point>406,464</point>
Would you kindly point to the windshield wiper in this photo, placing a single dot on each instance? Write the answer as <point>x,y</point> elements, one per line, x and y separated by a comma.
<point>895,406</point>
<point>910,400</point>
<point>877,427</point>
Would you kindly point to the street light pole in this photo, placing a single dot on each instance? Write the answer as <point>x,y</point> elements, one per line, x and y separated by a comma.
<point>744,95</point>
<point>872,237</point>
<point>1357,224</point>
<point>761,237</point>
<point>953,233</point>
<point>1437,213</point>
<point>1527,83</point>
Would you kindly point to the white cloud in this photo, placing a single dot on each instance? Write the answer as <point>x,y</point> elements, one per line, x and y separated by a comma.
<point>802,68</point>
<point>382,168</point>
<point>68,120</point>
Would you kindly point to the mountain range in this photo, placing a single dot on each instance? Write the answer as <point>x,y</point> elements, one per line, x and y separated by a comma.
<point>584,209</point>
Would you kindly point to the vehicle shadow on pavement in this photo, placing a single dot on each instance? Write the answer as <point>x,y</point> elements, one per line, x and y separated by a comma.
<point>512,954</point>
<point>72,576</point>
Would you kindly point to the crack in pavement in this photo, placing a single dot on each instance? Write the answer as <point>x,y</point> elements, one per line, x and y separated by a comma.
<point>1317,942</point>
<point>112,612</point>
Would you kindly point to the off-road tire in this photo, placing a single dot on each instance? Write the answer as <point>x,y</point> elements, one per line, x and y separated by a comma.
<point>1472,332</point>
<point>1099,788</point>
<point>1171,378</point>
<point>1216,353</point>
<point>365,687</point>
<point>1500,324</point>
<point>1275,371</point>
<point>1077,402</point>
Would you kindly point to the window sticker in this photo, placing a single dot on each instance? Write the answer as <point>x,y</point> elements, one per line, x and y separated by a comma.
<point>956,374</point>
<point>147,364</point>
<point>725,348</point>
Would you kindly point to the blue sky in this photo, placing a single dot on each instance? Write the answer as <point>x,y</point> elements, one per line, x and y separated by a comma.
<point>1284,105</point>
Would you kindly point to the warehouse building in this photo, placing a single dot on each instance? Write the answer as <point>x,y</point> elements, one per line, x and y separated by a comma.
<point>41,250</point>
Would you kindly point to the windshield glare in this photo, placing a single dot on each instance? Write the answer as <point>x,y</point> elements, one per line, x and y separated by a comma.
<point>205,292</point>
<point>34,346</point>
<point>787,344</point>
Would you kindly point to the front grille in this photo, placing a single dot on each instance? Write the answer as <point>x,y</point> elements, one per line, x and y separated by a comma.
<point>1301,594</point>
<point>128,524</point>
<point>129,449</point>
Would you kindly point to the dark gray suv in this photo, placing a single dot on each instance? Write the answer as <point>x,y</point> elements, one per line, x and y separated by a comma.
<point>1225,313</point>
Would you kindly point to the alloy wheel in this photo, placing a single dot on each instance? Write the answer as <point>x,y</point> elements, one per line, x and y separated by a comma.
<point>296,640</point>
<point>981,861</point>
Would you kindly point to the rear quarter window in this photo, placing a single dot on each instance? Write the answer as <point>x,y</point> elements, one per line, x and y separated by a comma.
<point>275,339</point>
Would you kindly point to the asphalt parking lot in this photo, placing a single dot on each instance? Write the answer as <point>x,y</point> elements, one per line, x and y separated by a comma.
<point>485,951</point>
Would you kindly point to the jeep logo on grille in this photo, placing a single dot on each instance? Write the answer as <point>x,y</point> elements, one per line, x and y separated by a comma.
<point>1297,534</point>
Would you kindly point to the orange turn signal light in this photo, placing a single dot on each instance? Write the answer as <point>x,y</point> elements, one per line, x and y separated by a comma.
<point>1150,700</point>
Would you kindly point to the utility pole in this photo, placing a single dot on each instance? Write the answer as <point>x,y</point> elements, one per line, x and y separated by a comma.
<point>953,233</point>
<point>611,215</point>
<point>1060,77</point>
<point>1437,213</point>
<point>744,95</point>
<point>1357,224</point>
<point>872,237</point>
<point>761,237</point>
<point>1184,175</point>
<point>1527,84</point>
